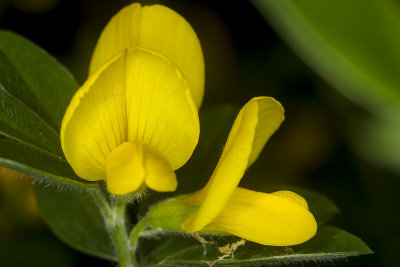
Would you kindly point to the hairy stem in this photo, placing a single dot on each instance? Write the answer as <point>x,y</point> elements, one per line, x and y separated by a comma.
<point>121,240</point>
<point>114,219</point>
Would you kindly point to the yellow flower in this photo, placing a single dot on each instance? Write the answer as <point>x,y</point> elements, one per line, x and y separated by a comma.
<point>135,119</point>
<point>279,219</point>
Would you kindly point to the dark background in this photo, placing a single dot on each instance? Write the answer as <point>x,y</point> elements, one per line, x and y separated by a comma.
<point>244,58</point>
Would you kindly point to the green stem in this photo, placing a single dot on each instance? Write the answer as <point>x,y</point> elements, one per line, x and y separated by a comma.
<point>121,240</point>
<point>114,219</point>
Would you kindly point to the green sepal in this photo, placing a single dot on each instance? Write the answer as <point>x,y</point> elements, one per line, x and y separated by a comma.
<point>170,214</point>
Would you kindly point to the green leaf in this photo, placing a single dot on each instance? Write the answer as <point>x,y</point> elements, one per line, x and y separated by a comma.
<point>35,91</point>
<point>320,206</point>
<point>215,124</point>
<point>35,78</point>
<point>39,164</point>
<point>20,123</point>
<point>75,218</point>
<point>354,45</point>
<point>329,244</point>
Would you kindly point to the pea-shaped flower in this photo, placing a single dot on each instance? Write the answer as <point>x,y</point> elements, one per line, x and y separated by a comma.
<point>135,119</point>
<point>279,219</point>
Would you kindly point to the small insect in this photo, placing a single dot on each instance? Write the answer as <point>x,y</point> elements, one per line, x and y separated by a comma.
<point>227,250</point>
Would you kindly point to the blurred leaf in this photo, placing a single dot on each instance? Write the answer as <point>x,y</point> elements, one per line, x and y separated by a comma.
<point>330,243</point>
<point>75,218</point>
<point>378,142</point>
<point>320,206</point>
<point>38,164</point>
<point>354,45</point>
<point>215,124</point>
<point>35,249</point>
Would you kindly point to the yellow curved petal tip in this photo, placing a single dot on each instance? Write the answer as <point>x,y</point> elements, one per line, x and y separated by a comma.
<point>160,175</point>
<point>132,164</point>
<point>299,200</point>
<point>254,125</point>
<point>125,169</point>
<point>268,219</point>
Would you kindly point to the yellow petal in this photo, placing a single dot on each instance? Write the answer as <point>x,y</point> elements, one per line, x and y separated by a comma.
<point>160,108</point>
<point>95,121</point>
<point>125,168</point>
<point>131,164</point>
<point>139,96</point>
<point>270,116</point>
<point>159,29</point>
<point>299,200</point>
<point>256,122</point>
<point>159,174</point>
<point>267,219</point>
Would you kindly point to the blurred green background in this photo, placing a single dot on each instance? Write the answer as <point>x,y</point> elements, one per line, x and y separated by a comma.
<point>340,89</point>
